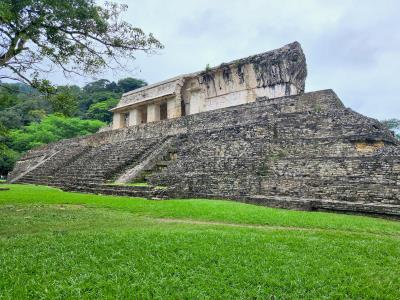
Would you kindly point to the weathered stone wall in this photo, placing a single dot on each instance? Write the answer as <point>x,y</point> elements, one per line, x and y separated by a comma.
<point>277,73</point>
<point>306,151</point>
<point>164,88</point>
<point>298,149</point>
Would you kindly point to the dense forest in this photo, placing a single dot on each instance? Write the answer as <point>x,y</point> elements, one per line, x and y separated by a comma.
<point>29,118</point>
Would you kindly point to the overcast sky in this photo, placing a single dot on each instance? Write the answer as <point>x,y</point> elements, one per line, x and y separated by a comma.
<point>352,47</point>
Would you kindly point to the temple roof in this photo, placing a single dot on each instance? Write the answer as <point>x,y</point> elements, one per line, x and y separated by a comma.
<point>163,89</point>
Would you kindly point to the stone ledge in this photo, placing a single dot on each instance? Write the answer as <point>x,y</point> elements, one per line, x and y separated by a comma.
<point>324,204</point>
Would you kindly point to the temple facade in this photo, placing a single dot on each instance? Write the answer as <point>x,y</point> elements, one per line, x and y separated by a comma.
<point>273,74</point>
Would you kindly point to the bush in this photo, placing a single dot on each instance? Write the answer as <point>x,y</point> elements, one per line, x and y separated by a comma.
<point>8,157</point>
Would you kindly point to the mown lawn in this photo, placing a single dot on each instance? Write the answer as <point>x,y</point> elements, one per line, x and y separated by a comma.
<point>59,245</point>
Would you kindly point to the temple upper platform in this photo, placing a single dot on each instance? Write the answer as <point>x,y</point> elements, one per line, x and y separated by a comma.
<point>277,73</point>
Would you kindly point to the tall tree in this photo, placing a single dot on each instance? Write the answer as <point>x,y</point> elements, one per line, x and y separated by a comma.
<point>78,36</point>
<point>101,110</point>
<point>64,101</point>
<point>129,84</point>
<point>100,85</point>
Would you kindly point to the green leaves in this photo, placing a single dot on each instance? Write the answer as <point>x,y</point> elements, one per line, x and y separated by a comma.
<point>77,36</point>
<point>100,110</point>
<point>6,14</point>
<point>42,85</point>
<point>64,102</point>
<point>129,84</point>
<point>8,157</point>
<point>50,129</point>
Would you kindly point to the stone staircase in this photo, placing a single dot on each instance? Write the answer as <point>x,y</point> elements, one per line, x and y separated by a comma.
<point>151,163</point>
<point>92,169</point>
<point>43,171</point>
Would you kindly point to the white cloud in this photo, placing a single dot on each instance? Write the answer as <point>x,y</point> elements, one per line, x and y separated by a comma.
<point>351,46</point>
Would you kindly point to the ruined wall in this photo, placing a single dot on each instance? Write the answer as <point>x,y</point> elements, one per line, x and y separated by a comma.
<point>161,89</point>
<point>306,151</point>
<point>308,147</point>
<point>273,74</point>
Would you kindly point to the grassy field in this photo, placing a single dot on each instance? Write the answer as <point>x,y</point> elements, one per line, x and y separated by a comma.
<point>59,245</point>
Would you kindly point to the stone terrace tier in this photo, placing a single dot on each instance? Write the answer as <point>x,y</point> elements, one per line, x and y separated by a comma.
<point>304,152</point>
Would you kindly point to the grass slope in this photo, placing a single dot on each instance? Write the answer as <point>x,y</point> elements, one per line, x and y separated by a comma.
<point>58,245</point>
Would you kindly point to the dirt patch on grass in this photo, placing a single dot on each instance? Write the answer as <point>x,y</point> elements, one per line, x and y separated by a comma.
<point>196,222</point>
<point>270,227</point>
<point>69,206</point>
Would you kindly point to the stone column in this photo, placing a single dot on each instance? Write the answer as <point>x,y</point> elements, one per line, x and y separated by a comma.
<point>117,120</point>
<point>173,108</point>
<point>135,117</point>
<point>153,112</point>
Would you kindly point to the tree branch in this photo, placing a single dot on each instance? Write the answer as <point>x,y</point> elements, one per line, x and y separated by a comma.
<point>16,71</point>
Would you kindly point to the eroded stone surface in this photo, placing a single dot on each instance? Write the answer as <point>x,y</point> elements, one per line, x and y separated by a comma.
<point>277,73</point>
<point>305,151</point>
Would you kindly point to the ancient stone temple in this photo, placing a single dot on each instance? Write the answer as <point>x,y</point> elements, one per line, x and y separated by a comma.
<point>244,131</point>
<point>273,74</point>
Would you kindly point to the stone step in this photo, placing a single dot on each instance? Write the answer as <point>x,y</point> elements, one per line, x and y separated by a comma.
<point>123,191</point>
<point>163,163</point>
<point>324,204</point>
<point>128,187</point>
<point>38,177</point>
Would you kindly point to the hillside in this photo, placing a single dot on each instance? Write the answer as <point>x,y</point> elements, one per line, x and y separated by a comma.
<point>90,246</point>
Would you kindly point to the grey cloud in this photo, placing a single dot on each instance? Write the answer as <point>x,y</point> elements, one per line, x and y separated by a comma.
<point>200,24</point>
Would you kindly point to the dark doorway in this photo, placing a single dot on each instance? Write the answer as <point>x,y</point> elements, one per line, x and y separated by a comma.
<point>163,111</point>
<point>125,119</point>
<point>183,108</point>
<point>143,113</point>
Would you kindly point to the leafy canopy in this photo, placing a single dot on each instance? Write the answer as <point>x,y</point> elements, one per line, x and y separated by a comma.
<point>77,36</point>
<point>129,84</point>
<point>64,101</point>
<point>50,129</point>
<point>101,110</point>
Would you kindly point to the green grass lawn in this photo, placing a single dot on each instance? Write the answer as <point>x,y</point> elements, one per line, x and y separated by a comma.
<point>59,245</point>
